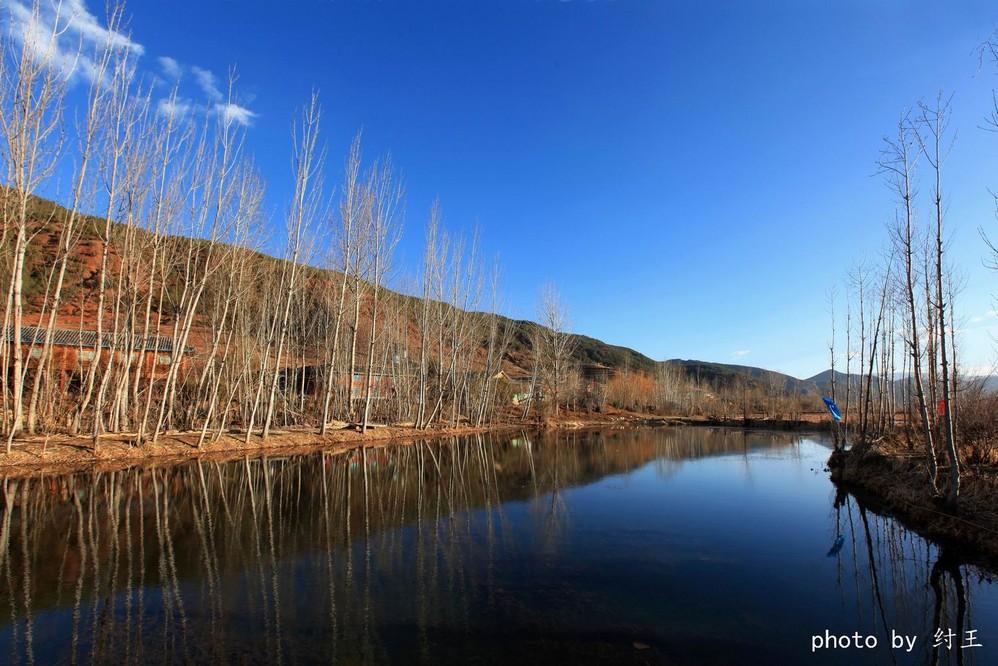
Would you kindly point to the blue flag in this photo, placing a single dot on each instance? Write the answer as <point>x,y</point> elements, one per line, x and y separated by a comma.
<point>833,408</point>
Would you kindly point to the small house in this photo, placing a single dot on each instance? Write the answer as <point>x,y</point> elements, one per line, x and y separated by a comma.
<point>75,350</point>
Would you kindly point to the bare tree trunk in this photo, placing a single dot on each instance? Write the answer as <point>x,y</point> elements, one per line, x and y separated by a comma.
<point>120,125</point>
<point>95,111</point>
<point>558,342</point>
<point>934,122</point>
<point>384,226</point>
<point>308,160</point>
<point>429,260</point>
<point>30,128</point>
<point>350,211</point>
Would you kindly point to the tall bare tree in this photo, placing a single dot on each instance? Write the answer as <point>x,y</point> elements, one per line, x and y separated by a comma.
<point>931,132</point>
<point>556,343</point>
<point>305,210</point>
<point>31,130</point>
<point>386,216</point>
<point>898,160</point>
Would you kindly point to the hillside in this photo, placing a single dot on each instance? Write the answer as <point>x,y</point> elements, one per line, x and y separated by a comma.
<point>723,375</point>
<point>822,381</point>
<point>251,334</point>
<point>586,350</point>
<point>78,309</point>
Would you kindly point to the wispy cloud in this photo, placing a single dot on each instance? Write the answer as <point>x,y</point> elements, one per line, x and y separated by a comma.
<point>171,68</point>
<point>209,85</point>
<point>740,353</point>
<point>174,107</point>
<point>976,319</point>
<point>226,111</point>
<point>64,35</point>
<point>230,113</point>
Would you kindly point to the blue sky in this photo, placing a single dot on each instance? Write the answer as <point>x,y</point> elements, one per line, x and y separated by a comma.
<point>693,176</point>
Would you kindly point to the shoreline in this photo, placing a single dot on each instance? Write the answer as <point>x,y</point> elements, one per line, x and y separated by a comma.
<point>64,454</point>
<point>896,483</point>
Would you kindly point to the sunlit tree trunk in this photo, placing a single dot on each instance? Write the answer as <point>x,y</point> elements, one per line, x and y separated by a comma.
<point>933,125</point>
<point>385,227</point>
<point>31,93</point>
<point>305,209</point>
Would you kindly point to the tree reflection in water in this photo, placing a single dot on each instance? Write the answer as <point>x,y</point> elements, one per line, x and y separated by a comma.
<point>197,562</point>
<point>373,555</point>
<point>902,581</point>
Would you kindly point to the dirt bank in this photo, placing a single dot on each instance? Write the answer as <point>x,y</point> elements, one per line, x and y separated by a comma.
<point>821,423</point>
<point>64,454</point>
<point>895,480</point>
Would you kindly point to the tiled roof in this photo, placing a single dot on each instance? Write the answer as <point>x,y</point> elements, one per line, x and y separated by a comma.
<point>34,335</point>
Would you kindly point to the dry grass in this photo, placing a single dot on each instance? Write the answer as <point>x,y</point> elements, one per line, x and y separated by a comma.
<point>64,454</point>
<point>892,475</point>
<point>67,454</point>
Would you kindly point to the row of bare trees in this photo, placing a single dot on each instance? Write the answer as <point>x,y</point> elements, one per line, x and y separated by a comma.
<point>155,255</point>
<point>901,360</point>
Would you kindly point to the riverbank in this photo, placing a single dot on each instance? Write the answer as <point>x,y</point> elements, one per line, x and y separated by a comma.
<point>894,479</point>
<point>60,454</point>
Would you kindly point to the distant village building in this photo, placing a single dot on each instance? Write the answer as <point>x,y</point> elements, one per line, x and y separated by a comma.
<point>595,385</point>
<point>595,375</point>
<point>381,385</point>
<point>74,351</point>
<point>308,380</point>
<point>515,388</point>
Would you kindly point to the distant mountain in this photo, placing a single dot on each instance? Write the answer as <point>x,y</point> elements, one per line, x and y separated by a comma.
<point>722,375</point>
<point>585,351</point>
<point>822,382</point>
<point>989,384</point>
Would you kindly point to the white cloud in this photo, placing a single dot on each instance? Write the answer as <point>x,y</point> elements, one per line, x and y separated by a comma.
<point>992,313</point>
<point>976,320</point>
<point>171,68</point>
<point>234,113</point>
<point>740,353</point>
<point>175,108</point>
<point>206,80</point>
<point>64,35</point>
<point>87,25</point>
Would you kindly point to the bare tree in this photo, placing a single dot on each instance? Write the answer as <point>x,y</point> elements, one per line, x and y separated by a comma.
<point>556,343</point>
<point>345,257</point>
<point>931,131</point>
<point>105,59</point>
<point>305,210</point>
<point>33,89</point>
<point>898,161</point>
<point>386,214</point>
<point>212,198</point>
<point>430,257</point>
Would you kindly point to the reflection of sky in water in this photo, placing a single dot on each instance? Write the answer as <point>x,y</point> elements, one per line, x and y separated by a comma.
<point>727,549</point>
<point>706,547</point>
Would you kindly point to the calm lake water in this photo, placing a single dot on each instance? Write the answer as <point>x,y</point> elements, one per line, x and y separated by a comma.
<point>684,546</point>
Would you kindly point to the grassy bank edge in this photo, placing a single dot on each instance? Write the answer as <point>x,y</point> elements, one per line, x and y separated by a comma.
<point>61,454</point>
<point>896,483</point>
